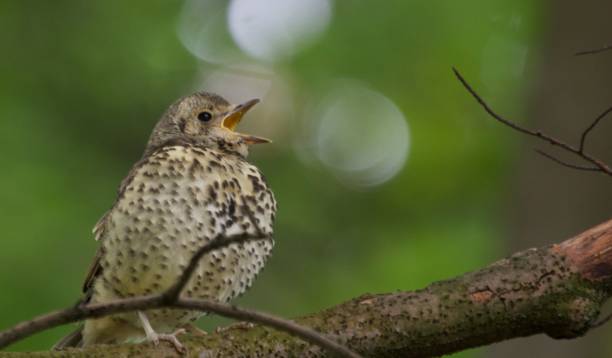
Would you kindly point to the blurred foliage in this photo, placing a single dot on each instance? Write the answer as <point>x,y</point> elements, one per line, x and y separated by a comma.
<point>83,83</point>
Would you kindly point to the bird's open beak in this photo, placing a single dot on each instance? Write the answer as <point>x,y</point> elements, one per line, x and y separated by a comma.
<point>231,120</point>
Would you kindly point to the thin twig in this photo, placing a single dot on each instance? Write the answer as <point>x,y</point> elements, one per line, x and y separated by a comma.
<point>172,294</point>
<point>565,164</point>
<point>583,138</point>
<point>266,319</point>
<point>78,313</point>
<point>600,165</point>
<point>171,298</point>
<point>591,52</point>
<point>218,242</point>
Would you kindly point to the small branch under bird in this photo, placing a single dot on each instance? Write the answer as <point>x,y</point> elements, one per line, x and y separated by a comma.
<point>193,184</point>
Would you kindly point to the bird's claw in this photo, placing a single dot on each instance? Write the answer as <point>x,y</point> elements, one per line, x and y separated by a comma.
<point>170,338</point>
<point>155,337</point>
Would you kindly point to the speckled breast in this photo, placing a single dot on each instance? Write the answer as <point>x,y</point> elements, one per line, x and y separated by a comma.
<point>173,203</point>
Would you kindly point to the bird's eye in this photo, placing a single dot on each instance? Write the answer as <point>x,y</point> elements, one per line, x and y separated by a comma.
<point>205,116</point>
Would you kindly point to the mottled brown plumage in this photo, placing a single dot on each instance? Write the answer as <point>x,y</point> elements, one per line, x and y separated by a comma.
<point>193,184</point>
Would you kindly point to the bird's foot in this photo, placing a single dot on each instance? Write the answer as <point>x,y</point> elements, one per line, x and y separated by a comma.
<point>155,337</point>
<point>170,338</point>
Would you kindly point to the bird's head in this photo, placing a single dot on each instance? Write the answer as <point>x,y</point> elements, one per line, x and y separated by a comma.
<point>207,120</point>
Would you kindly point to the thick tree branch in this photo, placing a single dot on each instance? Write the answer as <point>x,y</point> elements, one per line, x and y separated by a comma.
<point>556,290</point>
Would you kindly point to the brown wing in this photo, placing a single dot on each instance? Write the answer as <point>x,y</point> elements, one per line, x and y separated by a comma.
<point>95,269</point>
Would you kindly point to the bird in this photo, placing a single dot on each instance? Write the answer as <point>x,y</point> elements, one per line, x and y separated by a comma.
<point>192,184</point>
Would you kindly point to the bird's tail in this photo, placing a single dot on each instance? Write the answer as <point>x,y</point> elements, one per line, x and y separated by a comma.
<point>74,339</point>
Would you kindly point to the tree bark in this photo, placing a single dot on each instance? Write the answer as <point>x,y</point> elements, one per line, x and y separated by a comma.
<point>545,200</point>
<point>557,290</point>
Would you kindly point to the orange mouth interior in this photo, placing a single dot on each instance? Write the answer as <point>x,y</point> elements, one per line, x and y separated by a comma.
<point>231,121</point>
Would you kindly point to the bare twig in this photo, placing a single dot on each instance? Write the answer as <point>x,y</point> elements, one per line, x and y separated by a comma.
<point>218,242</point>
<point>172,294</point>
<point>586,132</point>
<point>171,298</point>
<point>78,313</point>
<point>599,165</point>
<point>566,164</point>
<point>594,51</point>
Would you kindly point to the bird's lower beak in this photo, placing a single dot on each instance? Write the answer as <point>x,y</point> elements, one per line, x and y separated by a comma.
<point>231,120</point>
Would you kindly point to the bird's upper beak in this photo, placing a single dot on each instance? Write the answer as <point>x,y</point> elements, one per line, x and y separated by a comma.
<point>233,117</point>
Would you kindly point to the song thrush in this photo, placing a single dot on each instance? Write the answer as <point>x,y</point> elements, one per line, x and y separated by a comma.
<point>192,184</point>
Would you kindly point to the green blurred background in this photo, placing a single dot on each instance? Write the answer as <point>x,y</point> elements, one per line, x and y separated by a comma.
<point>82,84</point>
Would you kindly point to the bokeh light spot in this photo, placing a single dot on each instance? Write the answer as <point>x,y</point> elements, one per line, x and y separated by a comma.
<point>202,29</point>
<point>270,30</point>
<point>358,133</point>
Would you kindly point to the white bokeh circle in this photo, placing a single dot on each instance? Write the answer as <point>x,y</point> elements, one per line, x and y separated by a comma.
<point>202,29</point>
<point>357,133</point>
<point>270,30</point>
